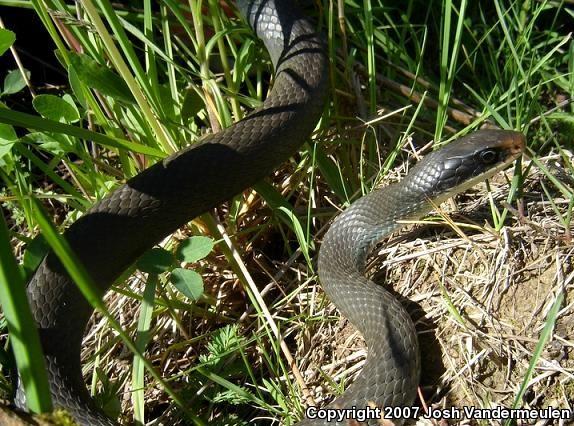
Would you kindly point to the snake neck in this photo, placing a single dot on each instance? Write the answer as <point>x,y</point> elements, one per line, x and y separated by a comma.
<point>391,372</point>
<point>356,231</point>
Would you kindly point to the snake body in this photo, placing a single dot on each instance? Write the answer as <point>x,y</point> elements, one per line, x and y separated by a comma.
<point>153,204</point>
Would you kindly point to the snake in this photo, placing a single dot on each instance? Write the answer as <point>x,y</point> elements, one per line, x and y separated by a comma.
<point>139,214</point>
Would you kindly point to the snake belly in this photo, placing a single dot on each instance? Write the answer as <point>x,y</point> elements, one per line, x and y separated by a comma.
<point>155,203</point>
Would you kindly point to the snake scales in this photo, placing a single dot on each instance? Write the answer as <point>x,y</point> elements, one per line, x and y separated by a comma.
<point>153,204</point>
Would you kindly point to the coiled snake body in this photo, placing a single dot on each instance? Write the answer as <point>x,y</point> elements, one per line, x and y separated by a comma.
<point>118,229</point>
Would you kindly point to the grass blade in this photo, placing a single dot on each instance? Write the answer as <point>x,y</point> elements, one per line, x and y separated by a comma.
<point>23,333</point>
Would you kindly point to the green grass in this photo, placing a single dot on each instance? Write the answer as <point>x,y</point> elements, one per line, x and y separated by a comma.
<point>153,79</point>
<point>24,339</point>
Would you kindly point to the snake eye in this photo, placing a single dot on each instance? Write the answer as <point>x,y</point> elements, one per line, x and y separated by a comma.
<point>488,156</point>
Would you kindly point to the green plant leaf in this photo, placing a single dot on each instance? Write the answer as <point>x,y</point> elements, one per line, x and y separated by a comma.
<point>194,248</point>
<point>192,104</point>
<point>100,78</point>
<point>156,261</point>
<point>108,400</point>
<point>232,397</point>
<point>7,39</point>
<point>14,82</point>
<point>56,108</point>
<point>142,339</point>
<point>275,391</point>
<point>187,282</point>
<point>76,86</point>
<point>8,138</point>
<point>54,143</point>
<point>223,342</point>
<point>35,252</point>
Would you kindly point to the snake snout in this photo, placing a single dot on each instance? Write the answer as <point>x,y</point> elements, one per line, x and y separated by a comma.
<point>514,143</point>
<point>509,143</point>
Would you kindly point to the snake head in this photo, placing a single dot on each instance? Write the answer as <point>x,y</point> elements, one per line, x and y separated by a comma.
<point>465,162</point>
